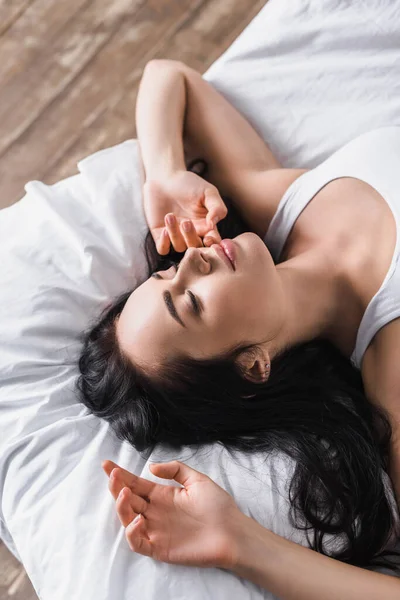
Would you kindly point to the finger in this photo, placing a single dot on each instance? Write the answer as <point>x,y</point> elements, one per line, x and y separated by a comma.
<point>116,485</point>
<point>191,237</point>
<point>178,471</point>
<point>141,487</point>
<point>137,538</point>
<point>216,207</point>
<point>120,477</point>
<point>212,237</point>
<point>108,466</point>
<point>175,233</point>
<point>128,478</point>
<point>209,241</point>
<point>125,512</point>
<point>129,505</point>
<point>163,243</point>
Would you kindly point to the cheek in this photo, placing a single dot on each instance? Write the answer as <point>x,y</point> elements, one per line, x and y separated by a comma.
<point>230,302</point>
<point>247,293</point>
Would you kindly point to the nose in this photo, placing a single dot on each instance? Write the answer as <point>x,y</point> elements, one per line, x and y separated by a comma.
<point>194,262</point>
<point>191,252</point>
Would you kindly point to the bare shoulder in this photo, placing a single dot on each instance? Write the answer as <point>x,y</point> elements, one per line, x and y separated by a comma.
<point>277,181</point>
<point>380,369</point>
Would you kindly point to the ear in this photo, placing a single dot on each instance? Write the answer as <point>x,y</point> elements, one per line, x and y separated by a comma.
<point>255,365</point>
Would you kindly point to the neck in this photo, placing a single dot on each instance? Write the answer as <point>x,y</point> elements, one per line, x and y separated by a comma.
<point>314,298</point>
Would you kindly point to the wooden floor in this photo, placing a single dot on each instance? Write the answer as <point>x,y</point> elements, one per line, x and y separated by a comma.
<point>69,74</point>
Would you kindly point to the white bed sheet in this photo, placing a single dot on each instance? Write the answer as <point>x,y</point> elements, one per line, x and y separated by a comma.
<point>309,76</point>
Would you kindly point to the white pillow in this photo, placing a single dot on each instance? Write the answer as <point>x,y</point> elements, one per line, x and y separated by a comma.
<point>309,76</point>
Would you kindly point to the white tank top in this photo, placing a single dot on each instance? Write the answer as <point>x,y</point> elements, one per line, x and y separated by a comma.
<point>374,158</point>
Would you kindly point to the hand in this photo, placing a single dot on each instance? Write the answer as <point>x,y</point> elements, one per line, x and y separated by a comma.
<point>191,526</point>
<point>187,197</point>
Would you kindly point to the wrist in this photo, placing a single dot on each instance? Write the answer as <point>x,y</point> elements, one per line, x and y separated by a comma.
<point>168,162</point>
<point>252,543</point>
<point>241,531</point>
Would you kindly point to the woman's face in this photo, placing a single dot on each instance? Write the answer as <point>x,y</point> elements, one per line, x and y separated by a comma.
<point>236,306</point>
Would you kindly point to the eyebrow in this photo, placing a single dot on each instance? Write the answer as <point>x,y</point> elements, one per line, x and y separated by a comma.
<point>169,303</point>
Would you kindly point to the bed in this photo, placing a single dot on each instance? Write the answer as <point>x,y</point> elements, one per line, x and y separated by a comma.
<point>309,76</point>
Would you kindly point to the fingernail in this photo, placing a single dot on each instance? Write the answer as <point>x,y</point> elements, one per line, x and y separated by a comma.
<point>186,225</point>
<point>136,519</point>
<point>170,219</point>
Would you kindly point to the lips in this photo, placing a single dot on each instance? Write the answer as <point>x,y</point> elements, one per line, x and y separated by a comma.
<point>229,249</point>
<point>221,252</point>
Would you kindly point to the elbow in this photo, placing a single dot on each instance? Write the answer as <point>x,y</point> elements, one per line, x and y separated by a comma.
<point>157,64</point>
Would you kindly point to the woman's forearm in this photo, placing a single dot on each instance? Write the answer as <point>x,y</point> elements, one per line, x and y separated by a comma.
<point>293,572</point>
<point>160,111</point>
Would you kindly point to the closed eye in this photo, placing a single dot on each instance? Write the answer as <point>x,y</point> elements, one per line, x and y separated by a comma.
<point>197,307</point>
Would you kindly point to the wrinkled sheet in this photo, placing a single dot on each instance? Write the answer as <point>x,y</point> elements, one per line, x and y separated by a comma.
<point>309,76</point>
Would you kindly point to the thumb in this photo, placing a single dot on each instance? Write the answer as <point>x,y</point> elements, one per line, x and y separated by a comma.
<point>216,207</point>
<point>178,471</point>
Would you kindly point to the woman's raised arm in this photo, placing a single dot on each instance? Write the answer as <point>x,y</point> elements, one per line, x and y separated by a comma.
<point>177,109</point>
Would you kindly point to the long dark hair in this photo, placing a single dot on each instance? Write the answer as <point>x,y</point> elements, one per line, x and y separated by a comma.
<point>312,408</point>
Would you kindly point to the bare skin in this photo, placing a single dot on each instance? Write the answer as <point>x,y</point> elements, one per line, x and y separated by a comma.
<point>319,290</point>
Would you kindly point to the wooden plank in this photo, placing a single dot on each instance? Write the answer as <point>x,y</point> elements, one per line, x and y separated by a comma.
<point>30,37</point>
<point>14,582</point>
<point>11,11</point>
<point>198,42</point>
<point>63,57</point>
<point>92,90</point>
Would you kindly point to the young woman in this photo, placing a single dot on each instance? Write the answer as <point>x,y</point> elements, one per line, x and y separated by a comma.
<point>266,340</point>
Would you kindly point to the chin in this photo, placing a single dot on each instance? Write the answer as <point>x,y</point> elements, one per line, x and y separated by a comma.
<point>250,240</point>
<point>247,234</point>
<point>252,246</point>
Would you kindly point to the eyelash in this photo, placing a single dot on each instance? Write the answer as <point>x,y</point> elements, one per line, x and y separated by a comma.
<point>195,304</point>
<point>192,297</point>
